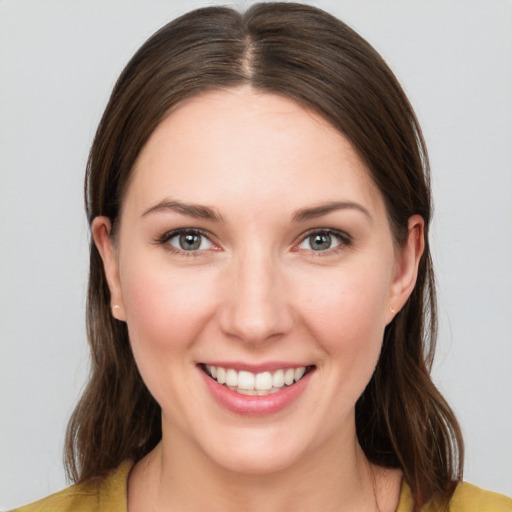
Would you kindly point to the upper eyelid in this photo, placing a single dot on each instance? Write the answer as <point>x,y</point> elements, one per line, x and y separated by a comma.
<point>342,235</point>
<point>336,232</point>
<point>175,232</point>
<point>345,241</point>
<point>163,240</point>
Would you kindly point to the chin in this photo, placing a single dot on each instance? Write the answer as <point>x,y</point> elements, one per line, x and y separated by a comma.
<point>269,447</point>
<point>257,459</point>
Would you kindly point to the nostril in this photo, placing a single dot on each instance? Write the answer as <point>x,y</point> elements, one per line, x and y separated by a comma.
<point>257,327</point>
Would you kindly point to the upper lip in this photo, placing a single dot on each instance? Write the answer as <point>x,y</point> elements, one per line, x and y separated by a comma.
<point>268,366</point>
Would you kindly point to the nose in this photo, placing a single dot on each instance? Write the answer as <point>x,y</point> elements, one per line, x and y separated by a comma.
<point>256,305</point>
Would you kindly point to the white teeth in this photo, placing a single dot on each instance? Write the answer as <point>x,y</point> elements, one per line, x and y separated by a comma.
<point>221,375</point>
<point>289,376</point>
<point>248,383</point>
<point>249,392</point>
<point>231,378</point>
<point>263,381</point>
<point>278,379</point>
<point>299,372</point>
<point>245,380</point>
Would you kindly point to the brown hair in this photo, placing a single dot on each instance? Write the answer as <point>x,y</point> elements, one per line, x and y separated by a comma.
<point>313,58</point>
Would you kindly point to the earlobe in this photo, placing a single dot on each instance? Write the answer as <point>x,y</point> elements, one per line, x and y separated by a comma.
<point>100,230</point>
<point>407,263</point>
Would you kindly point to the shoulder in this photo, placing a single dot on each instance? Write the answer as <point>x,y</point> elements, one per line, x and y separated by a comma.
<point>106,494</point>
<point>469,498</point>
<point>466,498</point>
<point>80,497</point>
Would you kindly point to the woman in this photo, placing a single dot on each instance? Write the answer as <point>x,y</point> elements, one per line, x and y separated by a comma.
<point>260,273</point>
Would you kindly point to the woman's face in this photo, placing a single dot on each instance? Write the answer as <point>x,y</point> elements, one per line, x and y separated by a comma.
<point>253,241</point>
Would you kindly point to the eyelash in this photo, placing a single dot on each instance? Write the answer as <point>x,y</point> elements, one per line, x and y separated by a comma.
<point>164,240</point>
<point>344,239</point>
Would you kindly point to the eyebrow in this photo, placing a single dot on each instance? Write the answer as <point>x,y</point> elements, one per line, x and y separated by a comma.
<point>199,211</point>
<point>196,211</point>
<point>323,209</point>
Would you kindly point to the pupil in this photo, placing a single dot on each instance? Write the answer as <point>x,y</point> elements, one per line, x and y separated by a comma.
<point>320,242</point>
<point>190,241</point>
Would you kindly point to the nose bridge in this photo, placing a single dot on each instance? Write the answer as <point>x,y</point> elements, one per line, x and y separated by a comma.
<point>257,307</point>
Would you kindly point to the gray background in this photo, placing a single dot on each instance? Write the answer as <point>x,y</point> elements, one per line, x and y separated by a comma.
<point>58,63</point>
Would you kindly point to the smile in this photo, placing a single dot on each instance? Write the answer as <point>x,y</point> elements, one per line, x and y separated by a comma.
<point>256,384</point>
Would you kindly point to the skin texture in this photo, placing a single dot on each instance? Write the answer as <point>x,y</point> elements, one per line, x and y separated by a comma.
<point>256,292</point>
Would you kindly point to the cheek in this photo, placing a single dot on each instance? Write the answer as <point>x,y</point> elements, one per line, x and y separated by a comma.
<point>345,310</point>
<point>345,315</point>
<point>166,311</point>
<point>166,307</point>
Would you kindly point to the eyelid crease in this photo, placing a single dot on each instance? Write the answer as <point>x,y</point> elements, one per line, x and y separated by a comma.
<point>179,231</point>
<point>345,240</point>
<point>168,235</point>
<point>329,231</point>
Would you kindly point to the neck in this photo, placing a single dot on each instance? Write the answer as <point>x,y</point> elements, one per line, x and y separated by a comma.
<point>177,475</point>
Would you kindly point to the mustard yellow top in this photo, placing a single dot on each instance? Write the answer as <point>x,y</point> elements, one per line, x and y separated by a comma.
<point>109,495</point>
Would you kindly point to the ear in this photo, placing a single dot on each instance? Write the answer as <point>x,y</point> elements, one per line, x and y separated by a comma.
<point>406,266</point>
<point>100,230</point>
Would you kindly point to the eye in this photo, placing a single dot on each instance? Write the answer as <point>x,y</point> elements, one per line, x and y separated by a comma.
<point>189,240</point>
<point>324,240</point>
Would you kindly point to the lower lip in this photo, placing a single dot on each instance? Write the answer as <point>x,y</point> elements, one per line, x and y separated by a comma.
<point>255,405</point>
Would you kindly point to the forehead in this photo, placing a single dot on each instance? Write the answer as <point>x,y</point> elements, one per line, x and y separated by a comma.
<point>260,148</point>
